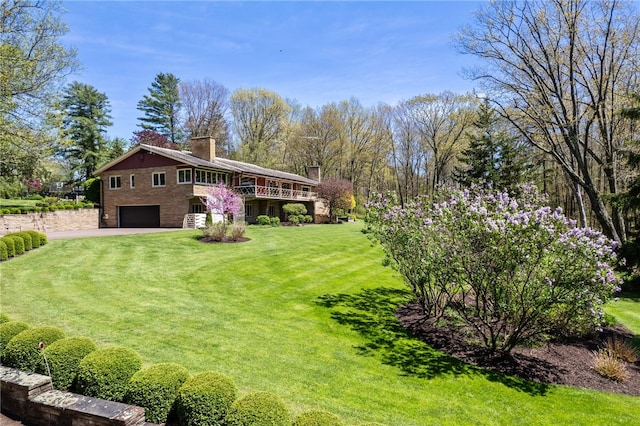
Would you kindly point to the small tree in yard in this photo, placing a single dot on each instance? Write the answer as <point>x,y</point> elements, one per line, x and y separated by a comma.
<point>222,201</point>
<point>512,270</point>
<point>338,194</point>
<point>295,212</point>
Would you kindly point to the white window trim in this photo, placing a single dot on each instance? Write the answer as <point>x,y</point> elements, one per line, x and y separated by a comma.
<point>153,179</point>
<point>186,181</point>
<point>132,181</point>
<point>114,179</point>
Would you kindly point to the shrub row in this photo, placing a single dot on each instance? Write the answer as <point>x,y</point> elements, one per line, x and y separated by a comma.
<point>16,243</point>
<point>263,219</point>
<point>166,391</point>
<point>44,208</point>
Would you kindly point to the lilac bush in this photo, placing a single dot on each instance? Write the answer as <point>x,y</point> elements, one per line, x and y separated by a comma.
<point>509,269</point>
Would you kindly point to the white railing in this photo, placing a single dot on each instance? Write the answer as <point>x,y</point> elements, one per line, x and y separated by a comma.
<point>194,221</point>
<point>275,193</point>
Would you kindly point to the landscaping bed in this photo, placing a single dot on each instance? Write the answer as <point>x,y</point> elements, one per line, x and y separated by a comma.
<point>566,363</point>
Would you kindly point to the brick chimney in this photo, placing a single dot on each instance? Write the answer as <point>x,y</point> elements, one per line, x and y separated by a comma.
<point>313,172</point>
<point>204,147</point>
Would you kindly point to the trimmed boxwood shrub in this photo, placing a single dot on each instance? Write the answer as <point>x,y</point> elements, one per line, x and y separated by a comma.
<point>8,330</point>
<point>35,238</point>
<point>4,318</point>
<point>106,372</point>
<point>26,239</point>
<point>205,399</point>
<point>18,242</point>
<point>11,246</point>
<point>259,409</point>
<point>263,219</point>
<point>275,221</point>
<point>64,356</point>
<point>317,418</point>
<point>23,350</point>
<point>4,253</point>
<point>156,388</point>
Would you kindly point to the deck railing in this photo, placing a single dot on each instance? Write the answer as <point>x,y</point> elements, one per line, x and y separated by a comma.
<point>275,193</point>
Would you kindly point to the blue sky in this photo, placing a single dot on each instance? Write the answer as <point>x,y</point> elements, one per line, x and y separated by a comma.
<point>313,52</point>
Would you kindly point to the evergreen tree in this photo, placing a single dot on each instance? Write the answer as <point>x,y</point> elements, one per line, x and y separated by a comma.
<point>86,118</point>
<point>161,107</point>
<point>493,156</point>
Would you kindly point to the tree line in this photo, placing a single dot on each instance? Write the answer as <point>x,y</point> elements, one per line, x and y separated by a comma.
<point>558,107</point>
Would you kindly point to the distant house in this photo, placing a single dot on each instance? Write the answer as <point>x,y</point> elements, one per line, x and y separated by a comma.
<point>157,187</point>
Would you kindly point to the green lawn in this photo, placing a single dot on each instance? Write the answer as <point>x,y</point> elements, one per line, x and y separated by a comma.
<point>4,203</point>
<point>305,312</point>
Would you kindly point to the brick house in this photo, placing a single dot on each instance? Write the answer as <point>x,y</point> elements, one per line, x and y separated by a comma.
<point>151,186</point>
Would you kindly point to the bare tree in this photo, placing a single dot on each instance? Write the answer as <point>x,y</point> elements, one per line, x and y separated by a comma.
<point>261,119</point>
<point>441,120</point>
<point>205,104</point>
<point>559,70</point>
<point>317,139</point>
<point>364,140</point>
<point>407,155</point>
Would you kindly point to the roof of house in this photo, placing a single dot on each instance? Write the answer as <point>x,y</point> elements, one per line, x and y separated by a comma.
<point>218,163</point>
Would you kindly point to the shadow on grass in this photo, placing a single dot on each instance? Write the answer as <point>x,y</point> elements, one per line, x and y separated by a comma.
<point>372,313</point>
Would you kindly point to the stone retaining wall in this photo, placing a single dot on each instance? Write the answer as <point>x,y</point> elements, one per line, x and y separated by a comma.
<point>59,220</point>
<point>30,398</point>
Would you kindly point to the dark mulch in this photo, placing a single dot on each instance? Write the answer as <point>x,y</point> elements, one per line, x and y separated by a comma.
<point>225,241</point>
<point>555,363</point>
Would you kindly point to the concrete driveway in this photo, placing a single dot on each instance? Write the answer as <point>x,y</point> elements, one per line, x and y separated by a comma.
<point>104,232</point>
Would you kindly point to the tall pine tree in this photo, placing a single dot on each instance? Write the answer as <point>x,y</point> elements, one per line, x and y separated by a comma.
<point>493,157</point>
<point>86,119</point>
<point>161,107</point>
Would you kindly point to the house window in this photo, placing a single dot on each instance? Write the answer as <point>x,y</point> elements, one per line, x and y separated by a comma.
<point>132,181</point>
<point>197,208</point>
<point>115,182</point>
<point>159,179</point>
<point>248,210</point>
<point>208,177</point>
<point>271,211</point>
<point>184,176</point>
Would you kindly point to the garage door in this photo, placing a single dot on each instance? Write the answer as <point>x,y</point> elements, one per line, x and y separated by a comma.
<point>140,217</point>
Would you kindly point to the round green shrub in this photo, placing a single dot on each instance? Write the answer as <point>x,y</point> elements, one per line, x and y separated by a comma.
<point>43,238</point>
<point>259,409</point>
<point>35,238</point>
<point>8,330</point>
<point>105,373</point>
<point>205,399</point>
<point>263,220</point>
<point>11,246</point>
<point>23,350</point>
<point>317,418</point>
<point>4,318</point>
<point>18,243</point>
<point>26,239</point>
<point>64,356</point>
<point>275,221</point>
<point>4,253</point>
<point>156,389</point>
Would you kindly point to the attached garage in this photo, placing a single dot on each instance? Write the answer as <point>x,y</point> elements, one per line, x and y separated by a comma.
<point>139,216</point>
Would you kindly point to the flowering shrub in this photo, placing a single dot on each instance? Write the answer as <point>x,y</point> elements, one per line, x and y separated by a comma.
<point>221,201</point>
<point>512,270</point>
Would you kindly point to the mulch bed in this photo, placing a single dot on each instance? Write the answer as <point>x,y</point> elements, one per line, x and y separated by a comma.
<point>225,241</point>
<point>567,364</point>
